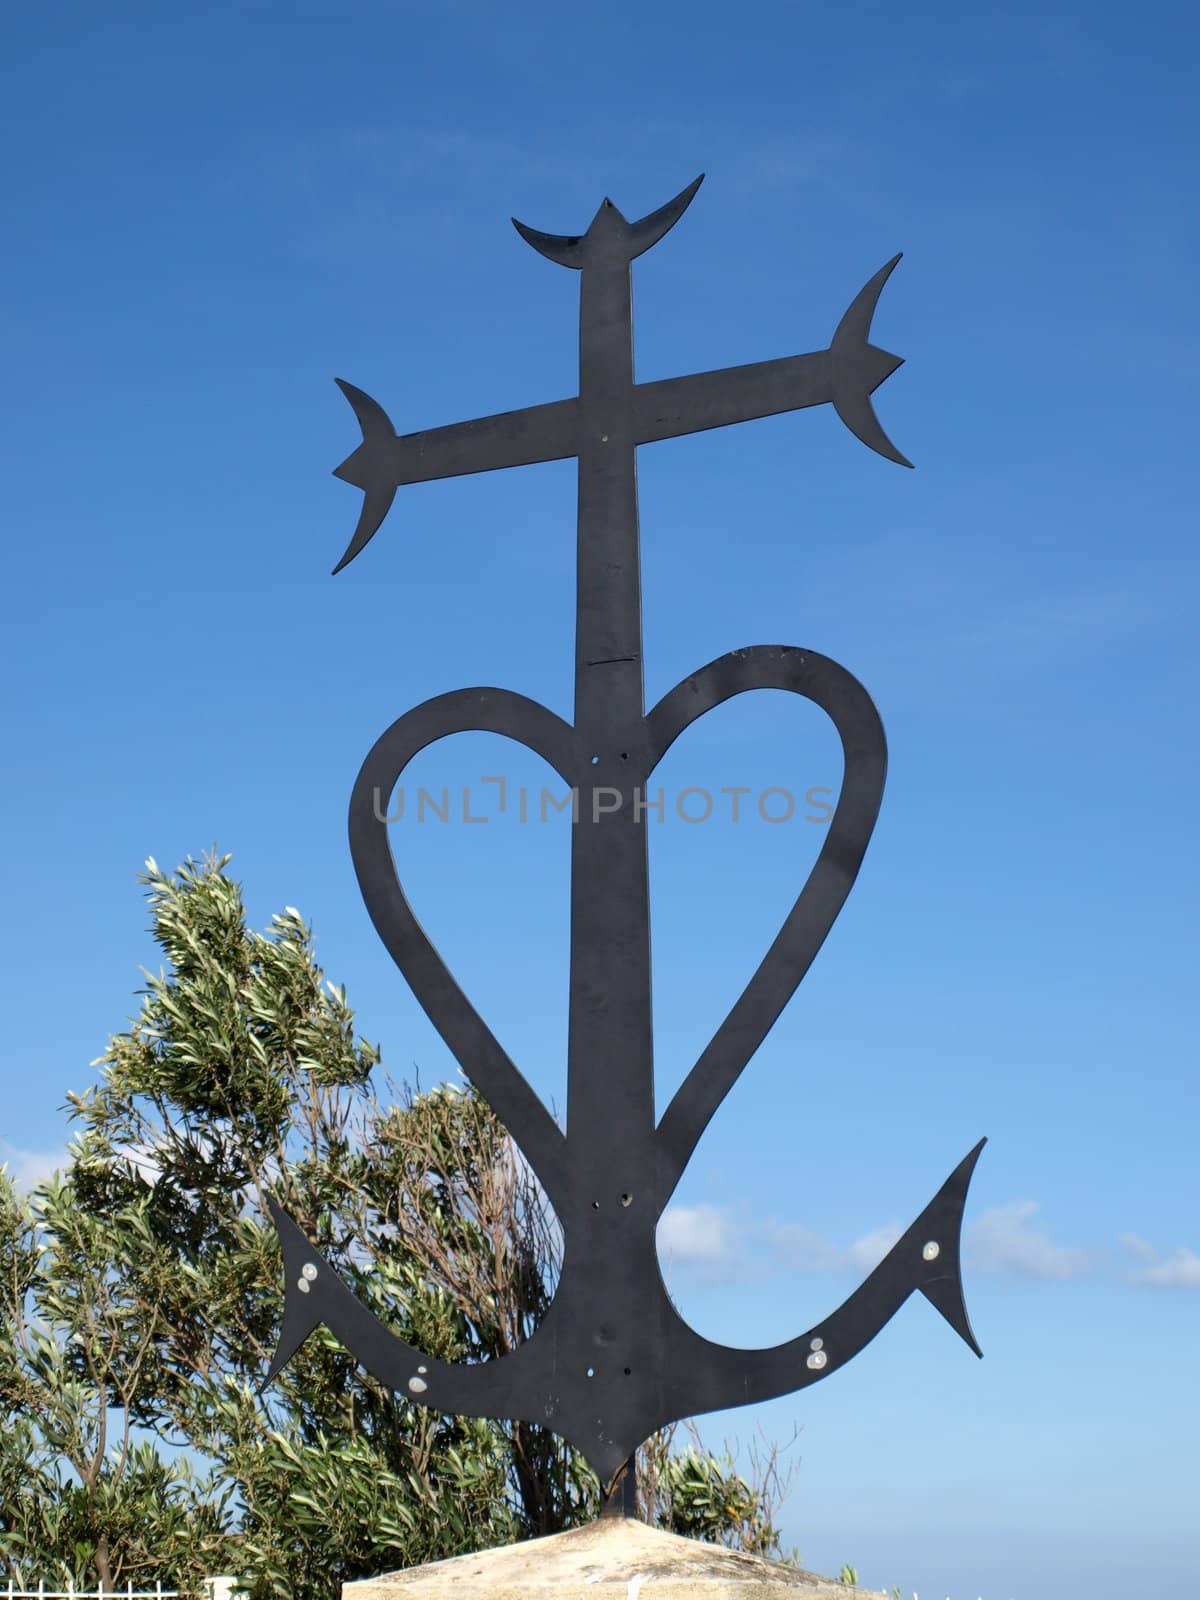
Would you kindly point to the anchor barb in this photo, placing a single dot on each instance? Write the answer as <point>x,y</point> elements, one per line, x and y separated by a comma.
<point>927,1257</point>
<point>941,1281</point>
<point>316,1296</point>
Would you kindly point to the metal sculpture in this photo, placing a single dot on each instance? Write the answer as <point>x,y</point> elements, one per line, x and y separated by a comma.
<point>613,1361</point>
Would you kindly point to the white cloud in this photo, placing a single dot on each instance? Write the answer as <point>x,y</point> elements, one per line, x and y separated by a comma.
<point>27,1168</point>
<point>140,1157</point>
<point>1180,1269</point>
<point>1007,1240</point>
<point>865,1254</point>
<point>802,1247</point>
<point>807,1251</point>
<point>1003,1240</point>
<point>696,1233</point>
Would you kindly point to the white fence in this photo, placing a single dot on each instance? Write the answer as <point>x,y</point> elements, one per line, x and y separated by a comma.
<point>129,1593</point>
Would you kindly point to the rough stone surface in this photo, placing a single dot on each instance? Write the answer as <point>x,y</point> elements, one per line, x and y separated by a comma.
<point>611,1559</point>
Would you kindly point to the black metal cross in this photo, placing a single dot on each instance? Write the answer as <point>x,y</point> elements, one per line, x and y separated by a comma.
<point>612,1360</point>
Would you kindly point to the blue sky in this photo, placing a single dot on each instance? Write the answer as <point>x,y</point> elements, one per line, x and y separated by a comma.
<point>213,211</point>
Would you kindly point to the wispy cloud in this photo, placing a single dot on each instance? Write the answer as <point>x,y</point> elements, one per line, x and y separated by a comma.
<point>702,1233</point>
<point>1012,629</point>
<point>1008,1240</point>
<point>1038,631</point>
<point>413,189</point>
<point>141,1156</point>
<point>1175,1269</point>
<point>807,1251</point>
<point>1003,1240</point>
<point>28,1168</point>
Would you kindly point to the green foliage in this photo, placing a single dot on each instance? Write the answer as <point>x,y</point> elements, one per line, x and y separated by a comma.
<point>700,1495</point>
<point>140,1295</point>
<point>81,1496</point>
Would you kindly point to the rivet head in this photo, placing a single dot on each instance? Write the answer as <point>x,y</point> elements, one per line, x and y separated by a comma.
<point>417,1385</point>
<point>309,1271</point>
<point>817,1360</point>
<point>932,1250</point>
<point>816,1344</point>
<point>302,1285</point>
<point>422,1369</point>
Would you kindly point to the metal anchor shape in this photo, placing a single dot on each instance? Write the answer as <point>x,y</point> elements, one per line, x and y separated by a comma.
<point>612,1360</point>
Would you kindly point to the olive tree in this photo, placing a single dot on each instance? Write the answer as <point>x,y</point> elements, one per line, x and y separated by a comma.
<point>141,1296</point>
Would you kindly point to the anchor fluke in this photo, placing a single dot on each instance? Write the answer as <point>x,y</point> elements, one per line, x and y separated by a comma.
<point>859,367</point>
<point>368,468</point>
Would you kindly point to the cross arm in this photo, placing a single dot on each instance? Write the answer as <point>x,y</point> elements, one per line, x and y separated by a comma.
<point>385,460</point>
<point>508,439</point>
<point>704,400</point>
<point>846,374</point>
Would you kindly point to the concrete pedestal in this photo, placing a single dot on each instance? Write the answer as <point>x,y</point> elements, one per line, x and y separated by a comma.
<point>614,1558</point>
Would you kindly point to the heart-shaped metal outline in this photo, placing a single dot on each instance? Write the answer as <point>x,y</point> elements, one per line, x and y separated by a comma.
<point>694,1375</point>
<point>778,974</point>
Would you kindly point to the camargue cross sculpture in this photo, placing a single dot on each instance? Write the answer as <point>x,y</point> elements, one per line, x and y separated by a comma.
<point>612,1360</point>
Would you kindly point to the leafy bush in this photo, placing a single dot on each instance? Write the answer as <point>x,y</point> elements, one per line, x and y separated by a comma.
<point>140,1295</point>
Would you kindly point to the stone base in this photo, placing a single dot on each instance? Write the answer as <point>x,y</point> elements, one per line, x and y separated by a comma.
<point>614,1558</point>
